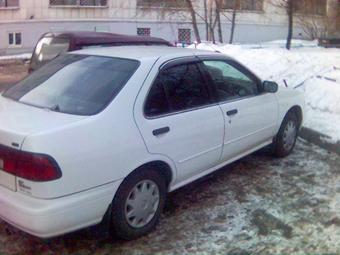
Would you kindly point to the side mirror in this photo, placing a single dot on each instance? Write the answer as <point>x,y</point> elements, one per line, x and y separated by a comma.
<point>270,87</point>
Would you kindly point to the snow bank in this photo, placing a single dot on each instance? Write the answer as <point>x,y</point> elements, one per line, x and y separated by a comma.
<point>14,57</point>
<point>308,68</point>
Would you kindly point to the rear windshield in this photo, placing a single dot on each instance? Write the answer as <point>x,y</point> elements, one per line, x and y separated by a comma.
<point>47,49</point>
<point>74,84</point>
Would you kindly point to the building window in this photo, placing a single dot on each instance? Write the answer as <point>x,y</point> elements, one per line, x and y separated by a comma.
<point>9,3</point>
<point>184,35</point>
<point>312,7</point>
<point>14,39</point>
<point>79,3</point>
<point>144,31</point>
<point>247,5</point>
<point>161,4</point>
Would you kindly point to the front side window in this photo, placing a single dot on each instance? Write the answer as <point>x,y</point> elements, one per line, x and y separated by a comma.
<point>74,84</point>
<point>176,89</point>
<point>231,83</point>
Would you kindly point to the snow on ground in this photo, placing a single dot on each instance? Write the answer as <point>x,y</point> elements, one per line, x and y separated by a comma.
<point>258,205</point>
<point>308,68</point>
<point>19,56</point>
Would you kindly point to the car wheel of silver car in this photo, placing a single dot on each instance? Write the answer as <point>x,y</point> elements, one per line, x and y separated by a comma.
<point>138,204</point>
<point>285,140</point>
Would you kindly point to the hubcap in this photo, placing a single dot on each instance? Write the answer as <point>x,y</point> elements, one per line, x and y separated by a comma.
<point>142,203</point>
<point>289,135</point>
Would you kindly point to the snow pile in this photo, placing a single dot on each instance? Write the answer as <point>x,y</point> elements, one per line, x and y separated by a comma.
<point>309,68</point>
<point>14,57</point>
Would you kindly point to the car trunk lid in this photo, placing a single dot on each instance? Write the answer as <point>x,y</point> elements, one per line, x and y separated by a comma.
<point>18,120</point>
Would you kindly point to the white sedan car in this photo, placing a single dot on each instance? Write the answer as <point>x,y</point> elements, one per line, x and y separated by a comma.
<point>102,135</point>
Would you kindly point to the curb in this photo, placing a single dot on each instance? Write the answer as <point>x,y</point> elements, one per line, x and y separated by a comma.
<point>319,139</point>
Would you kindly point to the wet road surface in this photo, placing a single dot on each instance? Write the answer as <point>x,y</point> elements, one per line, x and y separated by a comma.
<point>257,205</point>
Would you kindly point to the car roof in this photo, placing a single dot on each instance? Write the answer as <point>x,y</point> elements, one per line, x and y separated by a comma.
<point>88,38</point>
<point>144,52</point>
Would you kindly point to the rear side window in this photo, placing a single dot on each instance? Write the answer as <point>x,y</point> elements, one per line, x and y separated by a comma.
<point>231,81</point>
<point>74,84</point>
<point>176,89</point>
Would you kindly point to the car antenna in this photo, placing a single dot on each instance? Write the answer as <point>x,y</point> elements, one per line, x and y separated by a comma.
<point>285,82</point>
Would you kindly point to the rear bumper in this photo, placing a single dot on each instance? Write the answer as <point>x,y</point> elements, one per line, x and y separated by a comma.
<point>48,218</point>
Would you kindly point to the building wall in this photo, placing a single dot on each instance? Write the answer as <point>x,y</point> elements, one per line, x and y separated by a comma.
<point>35,17</point>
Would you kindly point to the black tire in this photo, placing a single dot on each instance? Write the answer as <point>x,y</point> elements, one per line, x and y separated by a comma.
<point>120,226</point>
<point>280,148</point>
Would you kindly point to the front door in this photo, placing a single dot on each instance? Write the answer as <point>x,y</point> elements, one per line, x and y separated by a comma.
<point>250,115</point>
<point>178,118</point>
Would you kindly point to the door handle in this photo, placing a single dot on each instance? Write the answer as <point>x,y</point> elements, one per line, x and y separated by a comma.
<point>160,131</point>
<point>232,112</point>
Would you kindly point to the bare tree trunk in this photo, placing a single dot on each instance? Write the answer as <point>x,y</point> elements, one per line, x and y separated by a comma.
<point>290,12</point>
<point>233,23</point>
<point>206,20</point>
<point>194,20</point>
<point>218,18</point>
<point>211,25</point>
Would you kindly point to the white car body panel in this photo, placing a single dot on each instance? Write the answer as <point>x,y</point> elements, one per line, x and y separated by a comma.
<point>250,127</point>
<point>95,153</point>
<point>51,217</point>
<point>183,144</point>
<point>20,120</point>
<point>288,98</point>
<point>88,151</point>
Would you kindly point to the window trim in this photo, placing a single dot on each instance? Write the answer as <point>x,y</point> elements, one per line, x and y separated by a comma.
<point>239,67</point>
<point>148,28</point>
<point>187,30</point>
<point>240,9</point>
<point>11,7</point>
<point>78,6</point>
<point>173,63</point>
<point>304,11</point>
<point>14,39</point>
<point>151,7</point>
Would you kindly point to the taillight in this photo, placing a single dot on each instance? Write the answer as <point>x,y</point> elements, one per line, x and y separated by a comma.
<point>30,166</point>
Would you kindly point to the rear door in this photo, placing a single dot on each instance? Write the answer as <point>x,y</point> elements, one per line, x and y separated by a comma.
<point>250,115</point>
<point>178,118</point>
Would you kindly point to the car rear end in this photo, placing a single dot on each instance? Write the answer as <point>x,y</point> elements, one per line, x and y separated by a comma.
<point>26,174</point>
<point>49,184</point>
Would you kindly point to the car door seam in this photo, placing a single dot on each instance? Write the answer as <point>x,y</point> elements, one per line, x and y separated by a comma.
<point>138,128</point>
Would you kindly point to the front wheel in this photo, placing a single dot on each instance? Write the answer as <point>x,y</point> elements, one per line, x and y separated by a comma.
<point>285,140</point>
<point>138,204</point>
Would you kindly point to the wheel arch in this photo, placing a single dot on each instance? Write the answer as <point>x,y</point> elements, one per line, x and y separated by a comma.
<point>297,110</point>
<point>163,167</point>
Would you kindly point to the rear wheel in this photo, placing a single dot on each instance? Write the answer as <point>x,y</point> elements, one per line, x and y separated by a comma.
<point>286,138</point>
<point>138,204</point>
